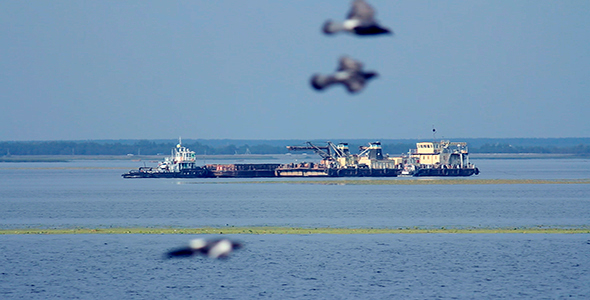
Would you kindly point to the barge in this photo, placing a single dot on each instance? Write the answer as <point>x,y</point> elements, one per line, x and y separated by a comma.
<point>337,161</point>
<point>442,158</point>
<point>304,170</point>
<point>242,170</point>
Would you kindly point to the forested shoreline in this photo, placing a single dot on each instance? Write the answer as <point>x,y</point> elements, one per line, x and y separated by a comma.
<point>579,146</point>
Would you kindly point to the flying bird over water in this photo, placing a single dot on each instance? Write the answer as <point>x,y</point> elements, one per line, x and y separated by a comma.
<point>349,73</point>
<point>219,248</point>
<point>360,21</point>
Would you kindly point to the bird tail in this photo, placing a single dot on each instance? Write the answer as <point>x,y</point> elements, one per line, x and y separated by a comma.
<point>319,82</point>
<point>331,27</point>
<point>370,74</point>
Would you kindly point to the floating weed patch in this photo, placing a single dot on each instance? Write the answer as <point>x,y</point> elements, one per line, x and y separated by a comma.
<point>292,230</point>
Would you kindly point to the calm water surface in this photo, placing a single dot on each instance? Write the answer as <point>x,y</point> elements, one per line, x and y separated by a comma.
<point>92,194</point>
<point>387,266</point>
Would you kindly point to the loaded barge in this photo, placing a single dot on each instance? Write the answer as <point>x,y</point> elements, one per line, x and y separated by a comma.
<point>242,170</point>
<point>337,161</point>
<point>442,158</point>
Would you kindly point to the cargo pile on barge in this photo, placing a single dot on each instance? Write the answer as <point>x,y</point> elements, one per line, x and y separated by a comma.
<point>442,158</point>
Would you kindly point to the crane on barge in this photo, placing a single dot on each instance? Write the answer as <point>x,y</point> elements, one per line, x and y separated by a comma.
<point>331,152</point>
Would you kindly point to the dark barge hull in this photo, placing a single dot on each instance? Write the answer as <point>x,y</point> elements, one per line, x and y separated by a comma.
<point>242,170</point>
<point>446,172</point>
<point>278,170</point>
<point>366,172</point>
<point>304,172</point>
<point>151,173</point>
<point>331,172</point>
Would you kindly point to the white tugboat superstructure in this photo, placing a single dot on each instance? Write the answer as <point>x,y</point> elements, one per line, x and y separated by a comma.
<point>180,164</point>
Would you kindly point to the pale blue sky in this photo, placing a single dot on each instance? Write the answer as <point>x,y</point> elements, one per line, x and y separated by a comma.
<point>77,70</point>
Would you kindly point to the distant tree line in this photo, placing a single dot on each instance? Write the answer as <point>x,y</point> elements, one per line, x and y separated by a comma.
<point>507,148</point>
<point>145,147</point>
<point>142,147</point>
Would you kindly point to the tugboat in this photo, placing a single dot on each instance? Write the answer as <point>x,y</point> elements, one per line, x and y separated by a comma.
<point>180,164</point>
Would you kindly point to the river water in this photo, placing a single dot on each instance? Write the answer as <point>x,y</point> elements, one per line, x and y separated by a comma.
<point>383,266</point>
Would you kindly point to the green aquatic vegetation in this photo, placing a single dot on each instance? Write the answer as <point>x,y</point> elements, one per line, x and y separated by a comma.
<point>294,230</point>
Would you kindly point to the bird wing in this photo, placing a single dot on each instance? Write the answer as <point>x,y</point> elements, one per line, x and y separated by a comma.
<point>354,84</point>
<point>361,10</point>
<point>220,249</point>
<point>348,64</point>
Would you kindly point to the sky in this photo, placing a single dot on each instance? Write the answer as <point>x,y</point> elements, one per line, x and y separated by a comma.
<point>234,69</point>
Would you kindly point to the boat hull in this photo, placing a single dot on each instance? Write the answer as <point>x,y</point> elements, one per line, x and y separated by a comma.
<point>278,170</point>
<point>367,172</point>
<point>242,170</point>
<point>304,172</point>
<point>152,173</point>
<point>458,172</point>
